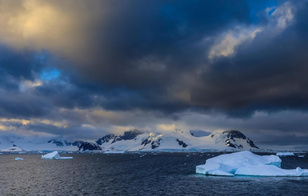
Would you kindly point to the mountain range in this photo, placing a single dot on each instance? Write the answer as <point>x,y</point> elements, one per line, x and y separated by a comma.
<point>135,140</point>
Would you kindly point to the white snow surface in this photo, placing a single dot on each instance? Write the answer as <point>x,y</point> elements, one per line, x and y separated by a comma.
<point>167,141</point>
<point>31,144</point>
<point>54,155</point>
<point>164,140</point>
<point>285,154</point>
<point>246,163</point>
<point>14,149</point>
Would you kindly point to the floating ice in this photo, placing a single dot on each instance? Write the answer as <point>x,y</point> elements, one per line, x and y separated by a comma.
<point>282,154</point>
<point>114,152</point>
<point>19,159</point>
<point>270,170</point>
<point>54,155</point>
<point>247,164</point>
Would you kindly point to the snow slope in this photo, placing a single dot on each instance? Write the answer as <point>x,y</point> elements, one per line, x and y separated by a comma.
<point>14,149</point>
<point>176,141</point>
<point>136,140</point>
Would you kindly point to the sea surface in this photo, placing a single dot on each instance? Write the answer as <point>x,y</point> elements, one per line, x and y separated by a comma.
<point>136,174</point>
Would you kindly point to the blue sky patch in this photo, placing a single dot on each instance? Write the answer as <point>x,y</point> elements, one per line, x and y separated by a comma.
<point>49,75</point>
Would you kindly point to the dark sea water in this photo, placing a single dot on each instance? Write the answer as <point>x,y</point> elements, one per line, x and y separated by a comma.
<point>136,174</point>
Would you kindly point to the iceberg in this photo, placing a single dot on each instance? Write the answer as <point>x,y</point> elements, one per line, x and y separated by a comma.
<point>247,164</point>
<point>54,155</point>
<point>19,159</point>
<point>270,170</point>
<point>114,152</point>
<point>282,154</point>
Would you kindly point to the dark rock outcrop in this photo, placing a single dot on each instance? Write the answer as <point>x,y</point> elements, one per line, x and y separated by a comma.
<point>154,143</point>
<point>232,134</point>
<point>181,143</point>
<point>60,143</point>
<point>127,135</point>
<point>231,137</point>
<point>89,146</point>
<point>105,139</point>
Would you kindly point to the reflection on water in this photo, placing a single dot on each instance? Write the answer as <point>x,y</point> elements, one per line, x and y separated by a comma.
<point>132,174</point>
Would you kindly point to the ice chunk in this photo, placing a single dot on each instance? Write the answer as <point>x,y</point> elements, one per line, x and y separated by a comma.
<point>230,162</point>
<point>270,170</point>
<point>114,152</point>
<point>19,159</point>
<point>54,155</point>
<point>247,163</point>
<point>285,154</point>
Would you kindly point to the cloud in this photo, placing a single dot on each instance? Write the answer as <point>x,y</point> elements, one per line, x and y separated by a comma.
<point>226,44</point>
<point>230,40</point>
<point>33,24</point>
<point>111,66</point>
<point>265,74</point>
<point>159,63</point>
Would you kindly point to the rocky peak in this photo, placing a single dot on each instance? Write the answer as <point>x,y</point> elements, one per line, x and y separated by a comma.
<point>234,134</point>
<point>232,138</point>
<point>89,146</point>
<point>127,135</point>
<point>105,139</point>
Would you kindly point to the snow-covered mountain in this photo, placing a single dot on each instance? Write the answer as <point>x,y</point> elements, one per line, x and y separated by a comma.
<point>136,140</point>
<point>175,141</point>
<point>14,148</point>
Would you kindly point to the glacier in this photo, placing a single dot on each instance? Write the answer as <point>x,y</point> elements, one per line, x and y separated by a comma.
<point>54,155</point>
<point>246,163</point>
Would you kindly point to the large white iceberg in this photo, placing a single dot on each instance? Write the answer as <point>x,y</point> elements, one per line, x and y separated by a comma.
<point>247,164</point>
<point>54,155</point>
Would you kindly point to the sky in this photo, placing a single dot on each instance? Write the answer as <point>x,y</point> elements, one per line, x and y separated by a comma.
<point>82,69</point>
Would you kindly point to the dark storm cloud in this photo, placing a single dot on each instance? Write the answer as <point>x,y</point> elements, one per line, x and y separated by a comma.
<point>153,55</point>
<point>16,66</point>
<point>148,55</point>
<point>140,51</point>
<point>267,74</point>
<point>22,105</point>
<point>159,58</point>
<point>148,51</point>
<point>138,32</point>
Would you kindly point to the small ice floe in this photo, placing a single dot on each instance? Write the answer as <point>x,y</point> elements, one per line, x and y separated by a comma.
<point>54,155</point>
<point>114,152</point>
<point>19,159</point>
<point>284,154</point>
<point>301,155</point>
<point>247,164</point>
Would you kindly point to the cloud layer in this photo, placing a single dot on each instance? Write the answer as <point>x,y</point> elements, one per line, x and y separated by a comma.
<point>77,64</point>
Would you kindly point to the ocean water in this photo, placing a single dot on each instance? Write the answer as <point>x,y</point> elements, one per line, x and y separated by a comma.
<point>136,174</point>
